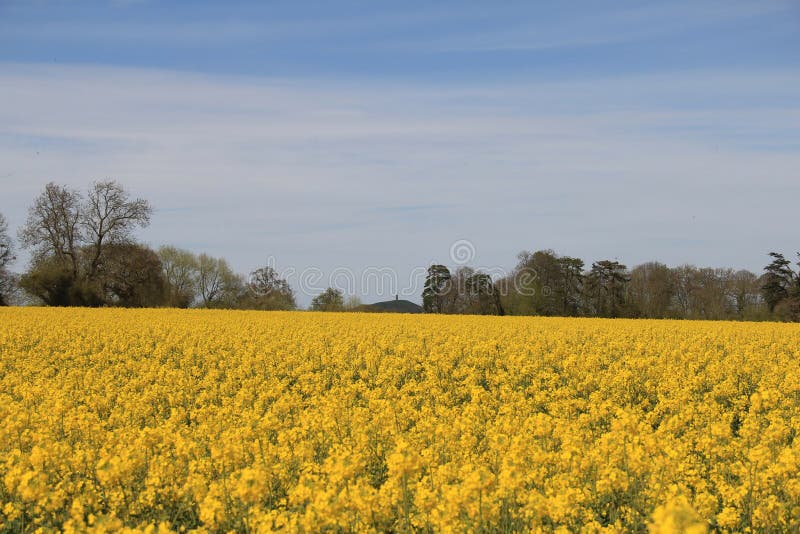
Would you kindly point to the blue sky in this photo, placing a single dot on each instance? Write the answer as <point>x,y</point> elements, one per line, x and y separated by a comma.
<point>366,134</point>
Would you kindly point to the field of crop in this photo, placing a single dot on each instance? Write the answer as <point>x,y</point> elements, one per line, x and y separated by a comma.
<point>296,421</point>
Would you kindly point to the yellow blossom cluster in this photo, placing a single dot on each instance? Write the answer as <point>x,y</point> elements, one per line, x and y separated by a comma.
<point>216,421</point>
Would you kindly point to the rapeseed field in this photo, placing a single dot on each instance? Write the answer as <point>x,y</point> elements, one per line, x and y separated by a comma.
<point>213,421</point>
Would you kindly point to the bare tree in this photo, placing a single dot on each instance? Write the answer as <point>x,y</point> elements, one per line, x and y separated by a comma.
<point>109,215</point>
<point>652,290</point>
<point>744,290</point>
<point>6,246</point>
<point>6,257</point>
<point>216,281</point>
<point>53,225</point>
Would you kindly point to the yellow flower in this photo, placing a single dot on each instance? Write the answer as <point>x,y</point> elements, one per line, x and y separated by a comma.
<point>225,421</point>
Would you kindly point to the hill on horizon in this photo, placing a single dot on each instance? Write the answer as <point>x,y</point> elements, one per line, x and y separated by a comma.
<point>394,306</point>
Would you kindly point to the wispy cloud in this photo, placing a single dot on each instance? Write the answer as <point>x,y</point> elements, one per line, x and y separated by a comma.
<point>616,24</point>
<point>314,171</point>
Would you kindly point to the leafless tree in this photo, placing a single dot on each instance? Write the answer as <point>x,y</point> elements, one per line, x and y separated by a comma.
<point>216,281</point>
<point>108,217</point>
<point>6,257</point>
<point>53,225</point>
<point>6,248</point>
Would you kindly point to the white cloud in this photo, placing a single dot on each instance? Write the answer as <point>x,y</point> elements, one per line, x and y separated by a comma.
<point>309,171</point>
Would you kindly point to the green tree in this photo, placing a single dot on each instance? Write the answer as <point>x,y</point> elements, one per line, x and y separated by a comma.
<point>470,292</point>
<point>483,295</point>
<point>52,282</point>
<point>266,290</point>
<point>218,286</point>
<point>543,283</point>
<point>69,236</point>
<point>437,285</point>
<point>329,300</point>
<point>131,275</point>
<point>607,283</point>
<point>545,275</point>
<point>781,288</point>
<point>779,281</point>
<point>181,272</point>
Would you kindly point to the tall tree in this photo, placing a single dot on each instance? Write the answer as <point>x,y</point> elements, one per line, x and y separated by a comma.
<point>483,297</point>
<point>180,268</point>
<point>217,283</point>
<point>781,288</point>
<point>607,283</point>
<point>54,228</point>
<point>569,290</point>
<point>6,257</point>
<point>69,236</point>
<point>434,294</point>
<point>651,290</point>
<point>108,217</point>
<point>544,283</point>
<point>744,290</point>
<point>779,280</point>
<point>540,287</point>
<point>710,296</point>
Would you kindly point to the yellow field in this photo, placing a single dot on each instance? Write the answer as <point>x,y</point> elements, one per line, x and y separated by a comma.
<point>349,422</point>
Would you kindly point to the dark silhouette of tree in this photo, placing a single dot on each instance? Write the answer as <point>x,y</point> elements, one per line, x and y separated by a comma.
<point>607,282</point>
<point>543,283</point>
<point>651,290</point>
<point>131,275</point>
<point>779,280</point>
<point>108,218</point>
<point>434,294</point>
<point>329,300</point>
<point>54,284</point>
<point>781,288</point>
<point>569,288</point>
<point>266,290</point>
<point>481,290</point>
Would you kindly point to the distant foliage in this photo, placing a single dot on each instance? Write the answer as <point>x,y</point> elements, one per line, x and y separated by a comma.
<point>329,300</point>
<point>83,253</point>
<point>76,243</point>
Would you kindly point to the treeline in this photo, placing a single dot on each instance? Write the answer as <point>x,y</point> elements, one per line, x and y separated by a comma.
<point>545,283</point>
<point>83,253</point>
